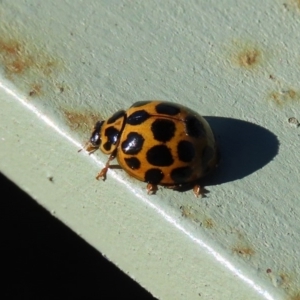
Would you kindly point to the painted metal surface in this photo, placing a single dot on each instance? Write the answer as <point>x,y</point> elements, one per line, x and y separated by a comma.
<point>66,64</point>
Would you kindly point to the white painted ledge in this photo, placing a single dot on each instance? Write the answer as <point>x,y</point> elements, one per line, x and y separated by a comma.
<point>66,64</point>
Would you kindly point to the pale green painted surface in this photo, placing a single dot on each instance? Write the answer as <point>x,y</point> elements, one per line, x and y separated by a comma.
<point>72,60</point>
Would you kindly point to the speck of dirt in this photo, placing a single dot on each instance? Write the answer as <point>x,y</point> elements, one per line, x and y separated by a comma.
<point>36,90</point>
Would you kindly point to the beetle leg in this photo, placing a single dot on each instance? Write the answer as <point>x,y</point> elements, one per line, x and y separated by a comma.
<point>151,189</point>
<point>197,190</point>
<point>102,173</point>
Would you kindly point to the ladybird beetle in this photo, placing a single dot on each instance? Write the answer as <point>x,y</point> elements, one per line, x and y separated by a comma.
<point>157,142</point>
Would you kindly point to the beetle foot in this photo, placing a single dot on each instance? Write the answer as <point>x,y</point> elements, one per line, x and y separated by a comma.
<point>102,174</point>
<point>151,189</point>
<point>200,191</point>
<point>197,190</point>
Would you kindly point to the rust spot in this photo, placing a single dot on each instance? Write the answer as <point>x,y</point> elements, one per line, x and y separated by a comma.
<point>208,223</point>
<point>17,59</point>
<point>292,94</point>
<point>81,121</point>
<point>295,296</point>
<point>36,90</point>
<point>297,3</point>
<point>48,67</point>
<point>61,87</point>
<point>292,5</point>
<point>10,47</point>
<point>282,280</point>
<point>284,96</point>
<point>186,212</point>
<point>248,58</point>
<point>11,56</point>
<point>246,54</point>
<point>285,278</point>
<point>243,251</point>
<point>24,63</point>
<point>190,213</point>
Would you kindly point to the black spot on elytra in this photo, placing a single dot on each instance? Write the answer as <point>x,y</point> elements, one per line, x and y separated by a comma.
<point>137,117</point>
<point>194,127</point>
<point>140,103</point>
<point>163,130</point>
<point>167,109</point>
<point>119,114</point>
<point>133,143</point>
<point>133,163</point>
<point>112,134</point>
<point>181,175</point>
<point>160,155</point>
<point>186,151</point>
<point>107,146</point>
<point>154,176</point>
